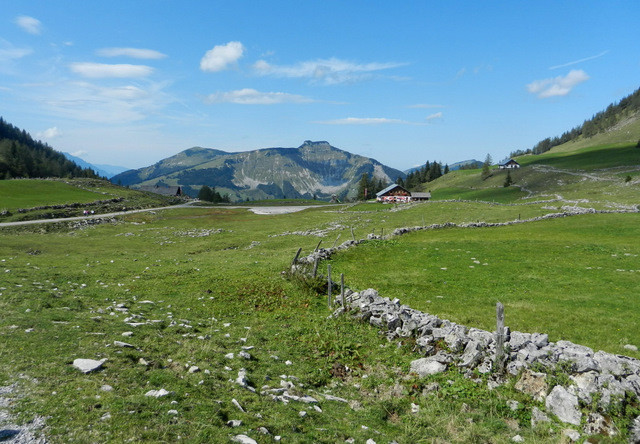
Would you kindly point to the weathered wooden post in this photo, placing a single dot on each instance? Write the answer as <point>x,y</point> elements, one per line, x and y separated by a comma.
<point>342,291</point>
<point>330,284</point>
<point>295,259</point>
<point>336,241</point>
<point>499,360</point>
<point>353,236</point>
<point>315,267</point>
<point>318,246</point>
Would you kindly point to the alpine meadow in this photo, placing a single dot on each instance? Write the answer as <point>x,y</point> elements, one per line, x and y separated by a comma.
<point>301,225</point>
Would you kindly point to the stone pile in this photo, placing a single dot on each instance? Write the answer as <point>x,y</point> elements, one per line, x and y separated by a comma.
<point>598,379</point>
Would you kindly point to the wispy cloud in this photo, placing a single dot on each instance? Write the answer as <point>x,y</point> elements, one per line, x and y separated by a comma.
<point>136,53</point>
<point>101,70</point>
<point>249,96</point>
<point>557,86</point>
<point>29,24</point>
<point>575,62</point>
<point>88,102</point>
<point>364,121</point>
<point>221,57</point>
<point>328,71</point>
<point>48,134</point>
<point>434,116</point>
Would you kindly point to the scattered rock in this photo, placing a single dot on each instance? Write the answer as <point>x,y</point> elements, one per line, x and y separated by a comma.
<point>573,435</point>
<point>122,344</point>
<point>234,423</point>
<point>237,405</point>
<point>564,405</point>
<point>533,383</point>
<point>88,365</point>
<point>427,366</point>
<point>243,439</point>
<point>538,417</point>
<point>158,393</point>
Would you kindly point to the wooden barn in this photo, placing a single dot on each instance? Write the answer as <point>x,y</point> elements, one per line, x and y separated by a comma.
<point>393,193</point>
<point>509,165</point>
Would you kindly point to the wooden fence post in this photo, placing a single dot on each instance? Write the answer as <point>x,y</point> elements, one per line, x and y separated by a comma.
<point>499,360</point>
<point>318,246</point>
<point>336,241</point>
<point>342,291</point>
<point>329,286</point>
<point>295,259</point>
<point>353,236</point>
<point>315,267</point>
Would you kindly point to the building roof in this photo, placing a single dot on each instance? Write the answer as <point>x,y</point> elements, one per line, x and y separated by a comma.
<point>389,188</point>
<point>510,161</point>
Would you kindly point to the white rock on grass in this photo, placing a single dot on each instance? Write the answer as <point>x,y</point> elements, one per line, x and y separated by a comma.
<point>237,405</point>
<point>244,439</point>
<point>427,366</point>
<point>88,365</point>
<point>158,393</point>
<point>122,344</point>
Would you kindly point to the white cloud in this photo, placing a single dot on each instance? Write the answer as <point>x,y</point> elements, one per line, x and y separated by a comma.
<point>29,24</point>
<point>9,52</point>
<point>557,86</point>
<point>87,102</point>
<point>136,53</point>
<point>249,96</point>
<point>50,133</point>
<point>434,116</point>
<point>221,56</point>
<point>79,153</point>
<point>362,121</point>
<point>575,62</point>
<point>100,70</point>
<point>329,71</point>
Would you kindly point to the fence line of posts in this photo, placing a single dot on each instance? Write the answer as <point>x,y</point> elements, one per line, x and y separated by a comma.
<point>499,359</point>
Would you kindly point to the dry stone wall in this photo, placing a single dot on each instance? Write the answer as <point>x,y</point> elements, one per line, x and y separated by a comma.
<point>596,381</point>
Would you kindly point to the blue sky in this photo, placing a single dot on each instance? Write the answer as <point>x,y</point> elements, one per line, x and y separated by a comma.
<point>132,82</point>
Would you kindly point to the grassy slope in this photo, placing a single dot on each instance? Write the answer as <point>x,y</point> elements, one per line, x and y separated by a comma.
<point>30,193</point>
<point>27,193</point>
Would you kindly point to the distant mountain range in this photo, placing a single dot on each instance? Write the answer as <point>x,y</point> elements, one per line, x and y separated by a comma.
<point>107,171</point>
<point>313,169</point>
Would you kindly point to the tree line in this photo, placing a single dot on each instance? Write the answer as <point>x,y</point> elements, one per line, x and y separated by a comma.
<point>430,171</point>
<point>369,186</point>
<point>599,123</point>
<point>211,195</point>
<point>22,156</point>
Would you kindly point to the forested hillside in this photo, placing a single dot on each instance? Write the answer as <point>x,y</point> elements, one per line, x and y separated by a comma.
<point>22,156</point>
<point>627,109</point>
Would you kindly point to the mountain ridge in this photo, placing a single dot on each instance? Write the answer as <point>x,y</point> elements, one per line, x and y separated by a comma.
<point>314,169</point>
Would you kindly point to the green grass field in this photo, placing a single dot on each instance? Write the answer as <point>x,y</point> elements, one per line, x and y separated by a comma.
<point>32,193</point>
<point>213,279</point>
<point>28,193</point>
<point>200,283</point>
